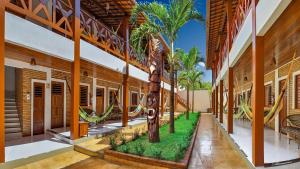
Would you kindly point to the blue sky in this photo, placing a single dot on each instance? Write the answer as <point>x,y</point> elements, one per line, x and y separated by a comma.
<point>192,34</point>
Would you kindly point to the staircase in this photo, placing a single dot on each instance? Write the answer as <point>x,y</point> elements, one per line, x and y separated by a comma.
<point>181,101</point>
<point>12,120</point>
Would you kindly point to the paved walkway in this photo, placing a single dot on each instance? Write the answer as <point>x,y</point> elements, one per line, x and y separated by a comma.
<point>212,150</point>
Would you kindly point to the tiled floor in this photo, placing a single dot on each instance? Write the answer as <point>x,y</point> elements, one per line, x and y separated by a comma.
<point>277,148</point>
<point>212,150</point>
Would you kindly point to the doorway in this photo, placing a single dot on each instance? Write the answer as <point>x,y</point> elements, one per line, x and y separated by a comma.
<point>100,97</point>
<point>38,108</point>
<point>57,105</point>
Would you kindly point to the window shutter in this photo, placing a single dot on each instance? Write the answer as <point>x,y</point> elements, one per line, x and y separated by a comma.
<point>297,92</point>
<point>84,96</point>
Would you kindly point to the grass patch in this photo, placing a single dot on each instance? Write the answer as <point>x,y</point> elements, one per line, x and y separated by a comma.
<point>171,147</point>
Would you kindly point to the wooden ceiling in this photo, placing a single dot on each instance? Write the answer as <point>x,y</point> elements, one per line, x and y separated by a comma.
<point>110,12</point>
<point>216,27</point>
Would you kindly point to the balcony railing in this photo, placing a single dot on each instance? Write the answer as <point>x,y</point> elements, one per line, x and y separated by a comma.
<point>57,15</point>
<point>242,10</point>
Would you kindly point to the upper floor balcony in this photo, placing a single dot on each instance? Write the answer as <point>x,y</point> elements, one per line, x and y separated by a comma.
<point>57,16</point>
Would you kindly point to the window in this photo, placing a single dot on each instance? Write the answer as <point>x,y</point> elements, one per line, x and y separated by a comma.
<point>297,92</point>
<point>134,99</point>
<point>113,96</point>
<point>84,95</point>
<point>268,95</point>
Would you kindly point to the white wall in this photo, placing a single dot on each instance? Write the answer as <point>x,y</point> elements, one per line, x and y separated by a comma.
<point>202,99</point>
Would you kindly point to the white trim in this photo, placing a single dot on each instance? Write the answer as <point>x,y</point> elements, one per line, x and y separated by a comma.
<point>276,96</point>
<point>94,97</point>
<point>268,83</point>
<point>104,93</point>
<point>89,91</point>
<point>65,99</point>
<point>32,103</point>
<point>293,88</point>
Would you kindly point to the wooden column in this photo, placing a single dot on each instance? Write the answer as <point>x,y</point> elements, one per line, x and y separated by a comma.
<point>75,72</point>
<point>2,79</point>
<point>230,69</point>
<point>162,93</point>
<point>217,102</point>
<point>126,75</point>
<point>213,102</point>
<point>221,101</point>
<point>258,93</point>
<point>230,102</point>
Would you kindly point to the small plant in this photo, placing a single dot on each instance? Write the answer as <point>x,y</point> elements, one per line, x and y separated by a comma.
<point>123,139</point>
<point>156,153</point>
<point>178,152</point>
<point>112,143</point>
<point>124,148</point>
<point>139,149</point>
<point>136,134</point>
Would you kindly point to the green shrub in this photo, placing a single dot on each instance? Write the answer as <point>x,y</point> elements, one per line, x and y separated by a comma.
<point>124,148</point>
<point>112,143</point>
<point>155,152</point>
<point>139,149</point>
<point>178,152</point>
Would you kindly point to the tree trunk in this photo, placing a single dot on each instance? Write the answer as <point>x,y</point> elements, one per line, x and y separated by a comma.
<point>153,98</point>
<point>193,99</point>
<point>172,98</point>
<point>188,102</point>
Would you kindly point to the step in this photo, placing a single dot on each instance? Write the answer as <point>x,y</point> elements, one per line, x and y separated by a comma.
<point>11,111</point>
<point>13,136</point>
<point>10,107</point>
<point>12,125</point>
<point>12,130</point>
<point>10,103</point>
<point>93,148</point>
<point>10,100</point>
<point>12,120</point>
<point>11,115</point>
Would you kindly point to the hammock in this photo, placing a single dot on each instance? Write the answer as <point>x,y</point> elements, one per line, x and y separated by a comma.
<point>138,109</point>
<point>93,119</point>
<point>270,115</point>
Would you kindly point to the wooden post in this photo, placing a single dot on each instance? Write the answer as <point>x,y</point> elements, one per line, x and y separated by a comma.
<point>230,102</point>
<point>126,75</point>
<point>221,101</point>
<point>75,72</point>
<point>2,80</point>
<point>217,102</point>
<point>213,102</point>
<point>258,93</point>
<point>230,70</point>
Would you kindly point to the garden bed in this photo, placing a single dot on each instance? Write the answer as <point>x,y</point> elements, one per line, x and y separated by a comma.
<point>173,150</point>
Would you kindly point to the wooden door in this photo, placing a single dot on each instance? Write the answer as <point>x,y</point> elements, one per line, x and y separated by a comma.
<point>99,101</point>
<point>283,112</point>
<point>57,105</point>
<point>38,108</point>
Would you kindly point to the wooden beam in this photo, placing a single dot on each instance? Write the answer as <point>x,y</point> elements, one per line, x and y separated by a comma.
<point>76,72</point>
<point>230,101</point>
<point>2,80</point>
<point>126,75</point>
<point>258,93</point>
<point>217,102</point>
<point>221,101</point>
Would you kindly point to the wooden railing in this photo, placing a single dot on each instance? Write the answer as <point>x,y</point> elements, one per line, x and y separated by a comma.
<point>242,10</point>
<point>56,14</point>
<point>98,34</point>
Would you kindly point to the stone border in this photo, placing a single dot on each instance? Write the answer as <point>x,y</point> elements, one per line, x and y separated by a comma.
<point>135,160</point>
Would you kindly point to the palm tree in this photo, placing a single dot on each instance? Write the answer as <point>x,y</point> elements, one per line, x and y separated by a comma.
<point>168,20</point>
<point>144,40</point>
<point>189,61</point>
<point>195,78</point>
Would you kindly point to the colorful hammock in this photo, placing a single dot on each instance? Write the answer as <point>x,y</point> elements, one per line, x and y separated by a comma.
<point>140,108</point>
<point>95,119</point>
<point>269,115</point>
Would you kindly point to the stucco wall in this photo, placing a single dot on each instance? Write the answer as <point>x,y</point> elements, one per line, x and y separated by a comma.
<point>202,99</point>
